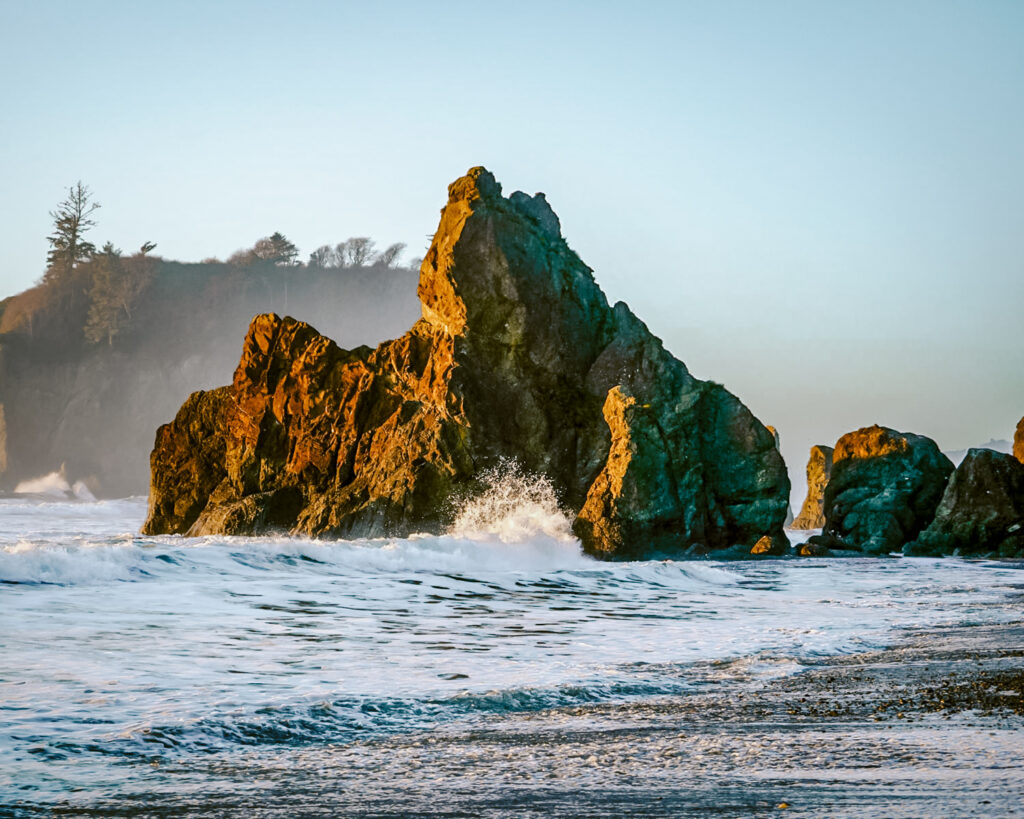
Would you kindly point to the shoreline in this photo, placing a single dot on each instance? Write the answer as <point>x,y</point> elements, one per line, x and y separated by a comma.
<point>930,726</point>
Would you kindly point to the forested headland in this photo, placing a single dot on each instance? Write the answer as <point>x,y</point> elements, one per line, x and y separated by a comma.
<point>108,343</point>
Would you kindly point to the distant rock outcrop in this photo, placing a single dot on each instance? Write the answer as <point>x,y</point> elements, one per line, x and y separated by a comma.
<point>884,488</point>
<point>789,509</point>
<point>1018,442</point>
<point>518,357</point>
<point>982,509</point>
<point>819,469</point>
<point>996,444</point>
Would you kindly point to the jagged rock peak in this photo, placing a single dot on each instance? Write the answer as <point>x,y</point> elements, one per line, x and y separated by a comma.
<point>518,356</point>
<point>480,186</point>
<point>478,183</point>
<point>819,469</point>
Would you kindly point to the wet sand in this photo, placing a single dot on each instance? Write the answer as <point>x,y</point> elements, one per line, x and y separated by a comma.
<point>932,727</point>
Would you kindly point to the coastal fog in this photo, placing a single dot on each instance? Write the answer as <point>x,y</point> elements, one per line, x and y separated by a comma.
<point>89,409</point>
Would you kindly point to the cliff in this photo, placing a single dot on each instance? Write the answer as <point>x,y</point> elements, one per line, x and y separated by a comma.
<point>517,357</point>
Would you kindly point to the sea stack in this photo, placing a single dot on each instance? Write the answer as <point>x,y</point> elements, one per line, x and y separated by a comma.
<point>884,489</point>
<point>981,512</point>
<point>819,469</point>
<point>518,358</point>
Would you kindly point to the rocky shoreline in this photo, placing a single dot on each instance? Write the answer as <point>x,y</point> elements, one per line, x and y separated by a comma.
<point>881,491</point>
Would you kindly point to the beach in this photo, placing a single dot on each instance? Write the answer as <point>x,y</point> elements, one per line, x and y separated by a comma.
<point>494,671</point>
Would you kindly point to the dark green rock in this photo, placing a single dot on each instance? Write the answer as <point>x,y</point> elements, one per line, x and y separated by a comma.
<point>884,489</point>
<point>981,512</point>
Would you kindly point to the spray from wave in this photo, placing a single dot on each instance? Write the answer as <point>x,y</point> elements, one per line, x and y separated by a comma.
<point>514,507</point>
<point>55,485</point>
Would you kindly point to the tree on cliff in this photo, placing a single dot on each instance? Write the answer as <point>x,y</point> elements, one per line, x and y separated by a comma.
<point>358,251</point>
<point>117,284</point>
<point>361,251</point>
<point>389,256</point>
<point>277,249</point>
<point>321,258</point>
<point>71,220</point>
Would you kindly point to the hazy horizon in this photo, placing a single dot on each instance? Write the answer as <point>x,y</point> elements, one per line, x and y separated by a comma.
<point>818,206</point>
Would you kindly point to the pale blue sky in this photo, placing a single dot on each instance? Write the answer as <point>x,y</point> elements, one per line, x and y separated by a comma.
<point>819,204</point>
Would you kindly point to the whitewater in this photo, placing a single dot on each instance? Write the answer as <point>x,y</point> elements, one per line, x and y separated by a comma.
<point>173,668</point>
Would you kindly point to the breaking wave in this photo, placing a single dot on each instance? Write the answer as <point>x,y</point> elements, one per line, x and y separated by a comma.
<point>128,557</point>
<point>55,485</point>
<point>347,720</point>
<point>513,507</point>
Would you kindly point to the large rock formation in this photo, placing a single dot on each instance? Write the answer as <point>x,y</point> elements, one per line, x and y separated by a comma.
<point>884,488</point>
<point>1018,442</point>
<point>517,357</point>
<point>819,469</point>
<point>982,509</point>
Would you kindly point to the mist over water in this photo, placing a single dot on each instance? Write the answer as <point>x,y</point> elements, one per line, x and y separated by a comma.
<point>129,657</point>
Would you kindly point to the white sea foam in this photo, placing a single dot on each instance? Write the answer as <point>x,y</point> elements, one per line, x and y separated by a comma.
<point>81,491</point>
<point>55,485</point>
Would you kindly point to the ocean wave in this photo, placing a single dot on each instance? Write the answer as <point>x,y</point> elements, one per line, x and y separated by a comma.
<point>128,557</point>
<point>55,485</point>
<point>348,719</point>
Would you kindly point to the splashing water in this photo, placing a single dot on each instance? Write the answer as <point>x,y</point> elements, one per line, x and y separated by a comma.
<point>54,485</point>
<point>514,507</point>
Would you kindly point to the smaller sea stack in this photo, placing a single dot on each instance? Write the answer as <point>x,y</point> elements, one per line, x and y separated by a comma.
<point>981,512</point>
<point>819,469</point>
<point>884,489</point>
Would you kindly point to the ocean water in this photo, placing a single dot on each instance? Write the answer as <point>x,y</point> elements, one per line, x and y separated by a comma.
<point>174,668</point>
